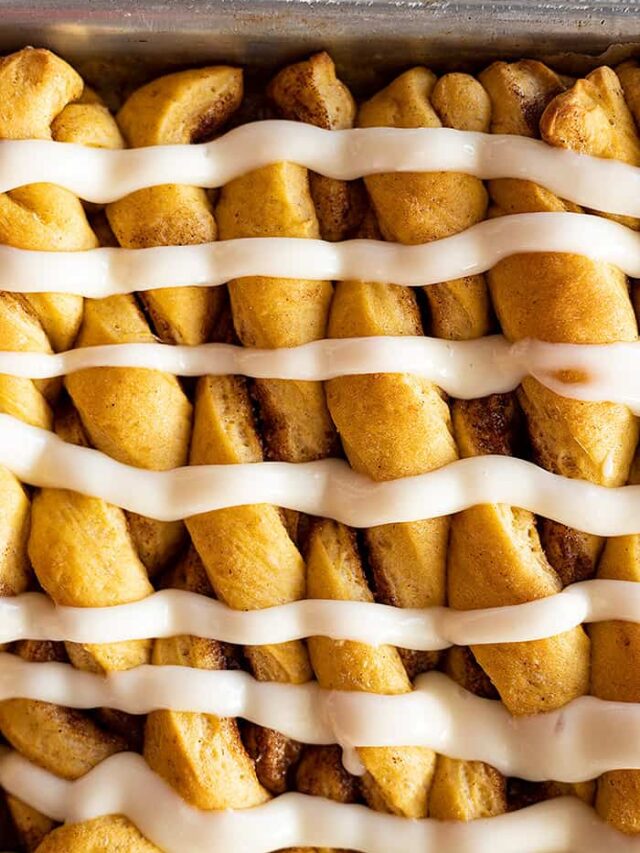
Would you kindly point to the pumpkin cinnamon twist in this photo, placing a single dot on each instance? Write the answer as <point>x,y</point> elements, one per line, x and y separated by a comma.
<point>462,790</point>
<point>144,418</point>
<point>86,552</point>
<point>39,94</point>
<point>554,297</point>
<point>398,425</point>
<point>495,555</point>
<point>615,646</point>
<point>179,108</point>
<point>248,552</point>
<point>311,92</point>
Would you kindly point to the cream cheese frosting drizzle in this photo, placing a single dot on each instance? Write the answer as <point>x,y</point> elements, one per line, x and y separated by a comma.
<point>102,176</point>
<point>168,613</point>
<point>573,744</point>
<point>327,488</point>
<point>98,273</point>
<point>464,369</point>
<point>124,784</point>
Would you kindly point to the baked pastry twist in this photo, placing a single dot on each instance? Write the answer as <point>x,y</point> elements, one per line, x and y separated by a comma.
<point>495,555</point>
<point>399,425</point>
<point>182,107</point>
<point>37,88</point>
<point>575,300</point>
<point>615,645</point>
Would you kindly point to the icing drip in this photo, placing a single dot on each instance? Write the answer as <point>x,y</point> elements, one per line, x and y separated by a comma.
<point>97,273</point>
<point>33,616</point>
<point>327,488</point>
<point>578,742</point>
<point>103,176</point>
<point>124,784</point>
<point>464,369</point>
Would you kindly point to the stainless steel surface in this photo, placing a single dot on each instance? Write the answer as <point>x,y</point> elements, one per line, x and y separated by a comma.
<point>362,36</point>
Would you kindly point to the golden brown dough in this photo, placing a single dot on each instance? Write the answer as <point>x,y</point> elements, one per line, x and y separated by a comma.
<point>495,558</point>
<point>519,93</point>
<point>593,441</point>
<point>629,77</point>
<point>14,531</point>
<point>139,417</point>
<point>268,312</point>
<point>112,833</point>
<point>397,779</point>
<point>249,557</point>
<point>188,106</point>
<point>462,790</point>
<point>75,541</point>
<point>221,775</point>
<point>309,91</point>
<point>393,426</point>
<point>31,826</point>
<point>62,740</point>
<point>466,790</point>
<point>615,675</point>
<point>582,301</point>
<point>258,565</point>
<point>460,308</point>
<point>87,124</point>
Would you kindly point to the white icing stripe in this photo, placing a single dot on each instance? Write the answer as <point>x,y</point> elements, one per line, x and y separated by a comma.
<point>327,488</point>
<point>33,616</point>
<point>102,176</point>
<point>98,273</point>
<point>464,369</point>
<point>124,784</point>
<point>578,742</point>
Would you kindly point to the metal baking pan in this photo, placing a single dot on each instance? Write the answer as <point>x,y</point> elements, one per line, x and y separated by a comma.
<point>367,38</point>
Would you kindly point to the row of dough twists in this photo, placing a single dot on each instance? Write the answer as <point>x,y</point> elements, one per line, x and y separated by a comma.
<point>85,552</point>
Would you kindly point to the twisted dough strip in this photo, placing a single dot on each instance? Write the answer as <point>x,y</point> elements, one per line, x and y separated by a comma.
<point>561,298</point>
<point>248,553</point>
<point>495,555</point>
<point>394,426</point>
<point>200,755</point>
<point>36,88</point>
<point>465,790</point>
<point>309,91</point>
<point>145,418</point>
<point>268,312</point>
<point>575,300</point>
<point>80,547</point>
<point>462,790</point>
<point>615,646</point>
<point>176,109</point>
